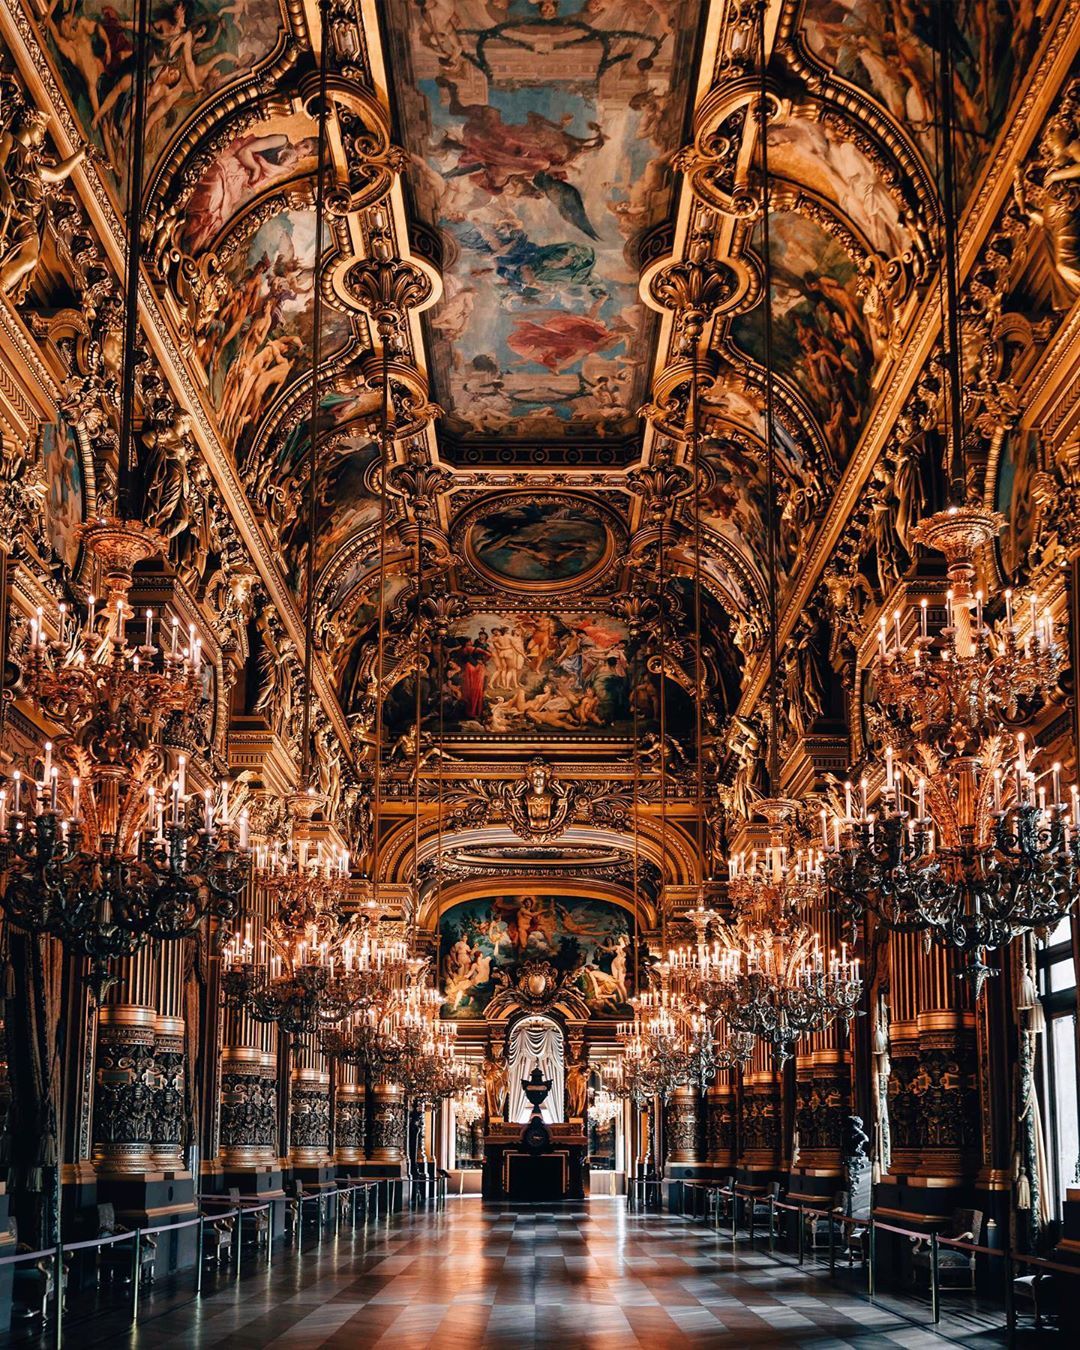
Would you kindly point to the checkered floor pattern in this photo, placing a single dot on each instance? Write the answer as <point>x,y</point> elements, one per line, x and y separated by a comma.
<point>590,1276</point>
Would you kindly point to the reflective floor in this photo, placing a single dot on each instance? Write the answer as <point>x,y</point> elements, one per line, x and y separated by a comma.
<point>589,1276</point>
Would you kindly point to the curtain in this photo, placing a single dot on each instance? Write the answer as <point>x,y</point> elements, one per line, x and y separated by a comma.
<point>536,1042</point>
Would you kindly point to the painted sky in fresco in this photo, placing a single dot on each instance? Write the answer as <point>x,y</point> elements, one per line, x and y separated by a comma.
<point>540,135</point>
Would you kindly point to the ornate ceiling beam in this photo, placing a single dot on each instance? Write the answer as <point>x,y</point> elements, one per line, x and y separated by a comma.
<point>165,341</point>
<point>1045,78</point>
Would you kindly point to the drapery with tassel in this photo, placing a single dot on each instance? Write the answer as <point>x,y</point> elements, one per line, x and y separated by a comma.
<point>537,1042</point>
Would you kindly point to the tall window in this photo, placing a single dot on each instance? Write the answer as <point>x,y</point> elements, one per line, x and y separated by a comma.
<point>1057,985</point>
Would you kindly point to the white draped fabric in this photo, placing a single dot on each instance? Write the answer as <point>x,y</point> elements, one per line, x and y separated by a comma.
<point>536,1042</point>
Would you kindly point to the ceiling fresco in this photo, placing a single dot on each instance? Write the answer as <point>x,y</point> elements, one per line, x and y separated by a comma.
<point>485,942</point>
<point>197,48</point>
<point>540,138</point>
<point>889,50</point>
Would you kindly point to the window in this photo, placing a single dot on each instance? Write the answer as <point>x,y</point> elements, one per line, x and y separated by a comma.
<point>1057,986</point>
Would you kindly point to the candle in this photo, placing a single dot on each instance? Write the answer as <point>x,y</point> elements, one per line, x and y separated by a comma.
<point>824,828</point>
<point>224,803</point>
<point>847,800</point>
<point>149,628</point>
<point>948,609</point>
<point>48,759</point>
<point>92,602</point>
<point>181,775</point>
<point>62,608</point>
<point>119,619</point>
<point>922,618</point>
<point>16,778</point>
<point>1021,753</point>
<point>862,785</point>
<point>175,631</point>
<point>1008,609</point>
<point>1075,805</point>
<point>1057,783</point>
<point>896,628</point>
<point>922,798</point>
<point>889,767</point>
<point>208,810</point>
<point>3,810</point>
<point>54,776</point>
<point>881,637</point>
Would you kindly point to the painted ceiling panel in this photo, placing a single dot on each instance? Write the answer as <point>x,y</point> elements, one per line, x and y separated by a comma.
<point>888,49</point>
<point>540,136</point>
<point>197,47</point>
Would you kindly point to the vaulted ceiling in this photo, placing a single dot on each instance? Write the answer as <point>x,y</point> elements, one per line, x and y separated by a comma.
<point>540,169</point>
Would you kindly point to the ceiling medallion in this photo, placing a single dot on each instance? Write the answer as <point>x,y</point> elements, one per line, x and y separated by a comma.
<point>538,543</point>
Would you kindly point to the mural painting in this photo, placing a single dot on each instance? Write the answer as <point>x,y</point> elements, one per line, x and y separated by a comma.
<point>260,337</point>
<point>889,49</point>
<point>65,503</point>
<point>484,942</point>
<point>1016,500</point>
<point>541,138</point>
<point>284,147</point>
<point>538,673</point>
<point>541,542</point>
<point>196,47</point>
<point>818,158</point>
<point>819,332</point>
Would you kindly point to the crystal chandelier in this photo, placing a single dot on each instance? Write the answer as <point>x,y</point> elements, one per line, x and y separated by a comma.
<point>107,849</point>
<point>765,974</point>
<point>974,841</point>
<point>468,1107</point>
<point>663,1047</point>
<point>604,1108</point>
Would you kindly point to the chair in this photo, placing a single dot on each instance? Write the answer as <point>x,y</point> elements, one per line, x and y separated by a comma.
<point>254,1227</point>
<point>218,1235</point>
<point>115,1259</point>
<point>1039,1288</point>
<point>33,1285</point>
<point>821,1229</point>
<point>956,1269</point>
<point>762,1211</point>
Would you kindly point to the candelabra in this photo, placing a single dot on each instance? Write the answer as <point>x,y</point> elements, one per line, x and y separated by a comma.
<point>764,973</point>
<point>113,851</point>
<point>972,843</point>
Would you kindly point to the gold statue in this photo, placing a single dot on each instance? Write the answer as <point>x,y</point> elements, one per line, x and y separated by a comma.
<point>25,178</point>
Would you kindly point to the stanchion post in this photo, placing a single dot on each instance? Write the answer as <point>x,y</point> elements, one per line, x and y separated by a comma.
<point>772,1224</point>
<point>832,1245</point>
<point>270,1216</point>
<point>871,1259</point>
<point>1010,1300</point>
<point>199,1256</point>
<point>935,1292</point>
<point>299,1224</point>
<point>136,1264</point>
<point>801,1220</point>
<point>58,1296</point>
<point>734,1213</point>
<point>750,1222</point>
<point>239,1232</point>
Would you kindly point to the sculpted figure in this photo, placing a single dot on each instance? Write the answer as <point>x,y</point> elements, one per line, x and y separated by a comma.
<point>496,1078</point>
<point>577,1086</point>
<point>167,492</point>
<point>25,178</point>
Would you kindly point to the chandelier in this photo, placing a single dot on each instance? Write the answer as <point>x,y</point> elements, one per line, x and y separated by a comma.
<point>419,1053</point>
<point>975,841</point>
<point>765,974</point>
<point>108,848</point>
<point>604,1107</point>
<point>468,1107</point>
<point>665,1046</point>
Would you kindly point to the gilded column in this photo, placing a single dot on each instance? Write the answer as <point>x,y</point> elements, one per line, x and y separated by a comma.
<point>309,1106</point>
<point>170,1061</point>
<point>387,1140</point>
<point>720,1105</point>
<point>350,1107</point>
<point>125,1080</point>
<point>682,1126</point>
<point>762,1145</point>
